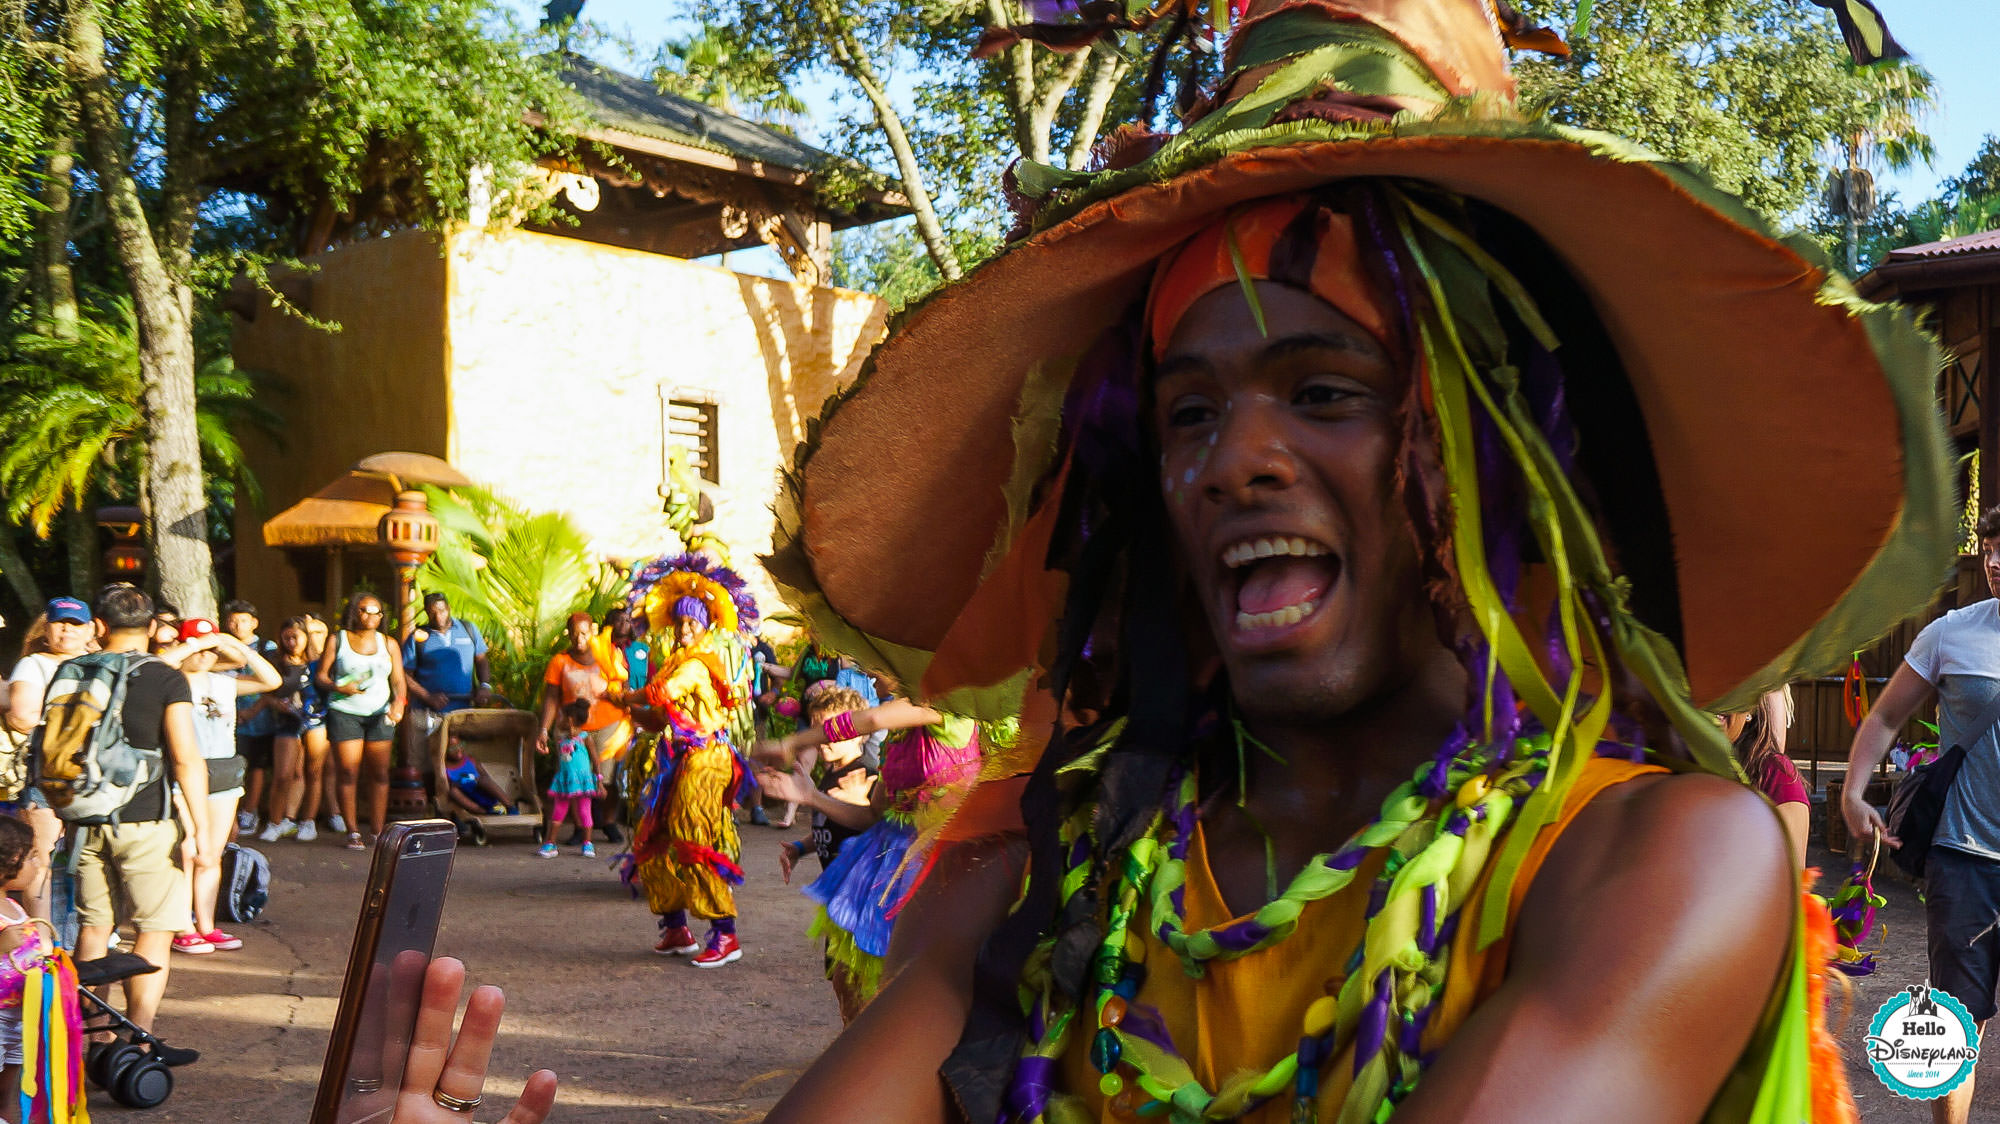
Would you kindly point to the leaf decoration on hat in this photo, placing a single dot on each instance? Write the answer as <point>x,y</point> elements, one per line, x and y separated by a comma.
<point>1519,33</point>
<point>1862,26</point>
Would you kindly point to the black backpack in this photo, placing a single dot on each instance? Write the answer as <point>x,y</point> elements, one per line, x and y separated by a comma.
<point>246,884</point>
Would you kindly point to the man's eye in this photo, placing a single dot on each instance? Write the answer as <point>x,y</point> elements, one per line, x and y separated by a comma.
<point>1184,414</point>
<point>1320,394</point>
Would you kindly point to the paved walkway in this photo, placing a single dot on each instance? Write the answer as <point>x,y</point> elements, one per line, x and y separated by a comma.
<point>634,1036</point>
<point>1902,961</point>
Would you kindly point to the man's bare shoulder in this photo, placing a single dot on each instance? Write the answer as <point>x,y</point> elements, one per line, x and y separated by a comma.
<point>1687,829</point>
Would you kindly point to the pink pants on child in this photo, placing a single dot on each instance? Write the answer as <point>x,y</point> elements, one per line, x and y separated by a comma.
<point>559,810</point>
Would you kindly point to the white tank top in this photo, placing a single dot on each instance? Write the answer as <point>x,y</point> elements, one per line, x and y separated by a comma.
<point>369,672</point>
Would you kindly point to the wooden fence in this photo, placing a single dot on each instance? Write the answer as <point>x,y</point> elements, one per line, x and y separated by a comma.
<point>1820,735</point>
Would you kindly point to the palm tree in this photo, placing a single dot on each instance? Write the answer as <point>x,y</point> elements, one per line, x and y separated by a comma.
<point>72,425</point>
<point>1884,130</point>
<point>517,575</point>
<point>712,67</point>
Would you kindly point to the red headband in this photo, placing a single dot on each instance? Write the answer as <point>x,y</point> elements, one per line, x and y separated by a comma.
<point>1202,265</point>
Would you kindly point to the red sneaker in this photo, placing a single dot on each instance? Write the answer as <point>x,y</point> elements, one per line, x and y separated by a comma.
<point>722,949</point>
<point>677,941</point>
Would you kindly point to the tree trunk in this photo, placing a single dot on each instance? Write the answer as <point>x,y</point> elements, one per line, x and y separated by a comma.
<point>1020,85</point>
<point>55,282</point>
<point>1111,68</point>
<point>15,569</point>
<point>1034,106</point>
<point>172,470</point>
<point>80,544</point>
<point>848,53</point>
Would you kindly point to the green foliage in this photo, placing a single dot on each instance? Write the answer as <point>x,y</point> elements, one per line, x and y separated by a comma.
<point>888,260</point>
<point>715,66</point>
<point>965,119</point>
<point>71,417</point>
<point>517,575</point>
<point>1981,177</point>
<point>1753,91</point>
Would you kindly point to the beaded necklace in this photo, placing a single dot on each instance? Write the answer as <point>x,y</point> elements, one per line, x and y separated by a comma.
<point>1439,829</point>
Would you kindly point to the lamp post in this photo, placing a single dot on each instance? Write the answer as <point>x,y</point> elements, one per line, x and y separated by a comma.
<point>126,557</point>
<point>409,533</point>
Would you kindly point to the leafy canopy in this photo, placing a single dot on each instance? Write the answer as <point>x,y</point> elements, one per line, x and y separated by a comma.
<point>70,409</point>
<point>1752,91</point>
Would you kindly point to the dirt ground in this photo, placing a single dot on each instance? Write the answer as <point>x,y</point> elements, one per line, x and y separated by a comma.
<point>1899,951</point>
<point>634,1036</point>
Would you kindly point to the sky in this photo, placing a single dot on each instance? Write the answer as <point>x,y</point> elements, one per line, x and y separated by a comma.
<point>1957,40</point>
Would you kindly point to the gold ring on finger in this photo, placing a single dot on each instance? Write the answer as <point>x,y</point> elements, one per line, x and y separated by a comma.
<point>447,1101</point>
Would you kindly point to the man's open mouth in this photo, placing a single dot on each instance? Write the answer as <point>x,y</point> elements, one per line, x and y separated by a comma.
<point>1281,579</point>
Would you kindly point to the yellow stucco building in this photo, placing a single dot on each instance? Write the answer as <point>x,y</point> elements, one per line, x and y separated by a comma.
<point>556,367</point>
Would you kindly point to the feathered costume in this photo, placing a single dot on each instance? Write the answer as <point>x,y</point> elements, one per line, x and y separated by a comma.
<point>926,771</point>
<point>684,851</point>
<point>1504,258</point>
<point>39,979</point>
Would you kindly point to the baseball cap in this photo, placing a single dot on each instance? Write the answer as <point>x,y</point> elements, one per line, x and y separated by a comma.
<point>196,626</point>
<point>69,610</point>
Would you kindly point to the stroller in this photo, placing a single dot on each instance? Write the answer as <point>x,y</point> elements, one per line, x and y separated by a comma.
<point>137,1068</point>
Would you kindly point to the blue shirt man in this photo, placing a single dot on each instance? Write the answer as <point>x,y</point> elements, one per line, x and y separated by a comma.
<point>254,718</point>
<point>446,659</point>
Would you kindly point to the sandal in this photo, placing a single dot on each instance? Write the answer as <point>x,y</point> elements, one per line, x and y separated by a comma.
<point>354,842</point>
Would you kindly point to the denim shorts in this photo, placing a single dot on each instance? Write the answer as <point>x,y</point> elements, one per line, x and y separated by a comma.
<point>1962,906</point>
<point>344,727</point>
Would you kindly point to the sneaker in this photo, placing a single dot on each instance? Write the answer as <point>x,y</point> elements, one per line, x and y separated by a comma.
<point>308,831</point>
<point>612,834</point>
<point>354,842</point>
<point>588,852</point>
<point>275,831</point>
<point>223,942</point>
<point>174,1055</point>
<point>548,851</point>
<point>575,837</point>
<point>336,825</point>
<point>246,821</point>
<point>722,949</point>
<point>677,941</point>
<point>758,817</point>
<point>190,942</point>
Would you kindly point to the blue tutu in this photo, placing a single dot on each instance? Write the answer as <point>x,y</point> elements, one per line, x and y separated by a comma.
<point>863,883</point>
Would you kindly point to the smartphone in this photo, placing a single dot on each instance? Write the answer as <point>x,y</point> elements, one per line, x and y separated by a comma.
<point>400,912</point>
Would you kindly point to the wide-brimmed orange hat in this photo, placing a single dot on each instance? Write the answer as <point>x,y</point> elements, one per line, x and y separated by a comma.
<point>1800,457</point>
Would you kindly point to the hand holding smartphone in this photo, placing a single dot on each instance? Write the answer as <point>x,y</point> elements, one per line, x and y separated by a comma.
<point>400,912</point>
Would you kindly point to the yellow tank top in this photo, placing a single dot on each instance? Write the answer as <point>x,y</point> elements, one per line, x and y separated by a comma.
<point>1244,1014</point>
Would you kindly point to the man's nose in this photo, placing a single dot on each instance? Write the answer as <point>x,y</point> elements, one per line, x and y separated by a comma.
<point>1251,453</point>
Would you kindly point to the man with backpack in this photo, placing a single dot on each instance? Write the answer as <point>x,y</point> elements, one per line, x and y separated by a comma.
<point>1954,661</point>
<point>126,853</point>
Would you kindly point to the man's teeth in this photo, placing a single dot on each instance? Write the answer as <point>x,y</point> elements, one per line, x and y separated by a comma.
<point>1276,618</point>
<point>1244,553</point>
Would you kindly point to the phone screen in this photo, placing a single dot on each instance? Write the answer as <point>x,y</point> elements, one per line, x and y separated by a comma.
<point>385,981</point>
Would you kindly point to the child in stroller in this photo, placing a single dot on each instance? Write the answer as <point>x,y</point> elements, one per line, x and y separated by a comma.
<point>471,789</point>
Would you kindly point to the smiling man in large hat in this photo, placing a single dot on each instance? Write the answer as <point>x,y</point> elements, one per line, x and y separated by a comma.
<point>1384,485</point>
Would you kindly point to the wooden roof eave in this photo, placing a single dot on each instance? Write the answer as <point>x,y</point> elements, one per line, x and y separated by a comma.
<point>702,157</point>
<point>1907,277</point>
